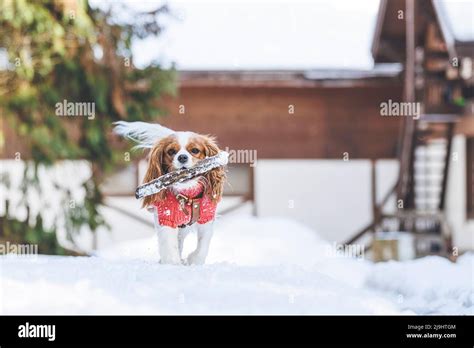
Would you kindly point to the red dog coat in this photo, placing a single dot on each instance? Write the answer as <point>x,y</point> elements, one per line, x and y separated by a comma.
<point>171,213</point>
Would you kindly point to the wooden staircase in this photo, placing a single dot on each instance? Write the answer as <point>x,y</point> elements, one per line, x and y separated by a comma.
<point>421,188</point>
<point>421,196</point>
<point>424,152</point>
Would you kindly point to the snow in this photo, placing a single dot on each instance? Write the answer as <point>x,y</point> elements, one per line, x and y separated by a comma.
<point>59,285</point>
<point>429,285</point>
<point>255,266</point>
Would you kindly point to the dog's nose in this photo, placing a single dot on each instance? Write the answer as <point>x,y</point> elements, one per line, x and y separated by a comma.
<point>182,158</point>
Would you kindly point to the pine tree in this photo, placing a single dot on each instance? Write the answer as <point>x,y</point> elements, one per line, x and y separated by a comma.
<point>68,51</point>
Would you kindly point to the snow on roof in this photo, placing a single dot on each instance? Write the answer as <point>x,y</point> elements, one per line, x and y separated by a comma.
<point>261,34</point>
<point>379,70</point>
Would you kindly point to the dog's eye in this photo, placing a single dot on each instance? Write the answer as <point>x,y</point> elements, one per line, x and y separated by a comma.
<point>195,151</point>
<point>171,152</point>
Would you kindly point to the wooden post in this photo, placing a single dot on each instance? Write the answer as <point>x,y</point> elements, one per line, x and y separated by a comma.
<point>447,159</point>
<point>252,189</point>
<point>470,177</point>
<point>375,210</point>
<point>407,146</point>
<point>410,51</point>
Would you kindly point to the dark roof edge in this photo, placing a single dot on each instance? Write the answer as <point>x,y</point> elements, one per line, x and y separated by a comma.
<point>384,73</point>
<point>380,70</point>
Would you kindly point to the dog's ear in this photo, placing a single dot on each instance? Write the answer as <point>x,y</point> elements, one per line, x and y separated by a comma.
<point>215,177</point>
<point>144,134</point>
<point>155,169</point>
<point>210,146</point>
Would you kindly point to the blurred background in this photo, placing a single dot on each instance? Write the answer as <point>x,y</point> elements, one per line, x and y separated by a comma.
<point>293,90</point>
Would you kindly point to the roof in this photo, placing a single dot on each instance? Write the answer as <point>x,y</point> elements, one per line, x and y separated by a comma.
<point>388,44</point>
<point>384,73</point>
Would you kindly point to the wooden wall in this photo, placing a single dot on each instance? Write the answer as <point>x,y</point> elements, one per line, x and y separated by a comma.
<point>326,122</point>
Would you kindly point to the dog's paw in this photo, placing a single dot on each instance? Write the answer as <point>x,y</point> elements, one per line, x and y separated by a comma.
<point>171,261</point>
<point>195,259</point>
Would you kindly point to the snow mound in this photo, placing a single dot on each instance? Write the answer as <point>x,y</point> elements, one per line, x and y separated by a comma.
<point>255,266</point>
<point>255,241</point>
<point>245,240</point>
<point>428,285</point>
<point>82,285</point>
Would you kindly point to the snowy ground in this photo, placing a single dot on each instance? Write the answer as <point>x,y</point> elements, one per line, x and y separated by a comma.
<point>255,266</point>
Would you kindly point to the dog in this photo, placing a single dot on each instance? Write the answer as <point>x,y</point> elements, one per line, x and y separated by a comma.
<point>183,206</point>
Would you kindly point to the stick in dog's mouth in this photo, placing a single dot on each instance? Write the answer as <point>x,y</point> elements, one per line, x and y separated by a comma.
<point>182,175</point>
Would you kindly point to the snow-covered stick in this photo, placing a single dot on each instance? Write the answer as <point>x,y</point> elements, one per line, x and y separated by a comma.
<point>181,175</point>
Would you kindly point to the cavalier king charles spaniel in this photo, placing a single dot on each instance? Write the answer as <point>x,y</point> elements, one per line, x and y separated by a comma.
<point>183,206</point>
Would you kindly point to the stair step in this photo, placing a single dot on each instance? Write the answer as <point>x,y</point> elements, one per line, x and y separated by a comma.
<point>418,165</point>
<point>427,201</point>
<point>439,118</point>
<point>432,177</point>
<point>432,147</point>
<point>427,208</point>
<point>433,193</point>
<point>428,175</point>
<point>427,189</point>
<point>433,154</point>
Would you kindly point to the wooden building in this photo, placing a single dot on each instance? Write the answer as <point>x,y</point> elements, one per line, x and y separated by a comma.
<point>329,114</point>
<point>439,75</point>
<point>336,115</point>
